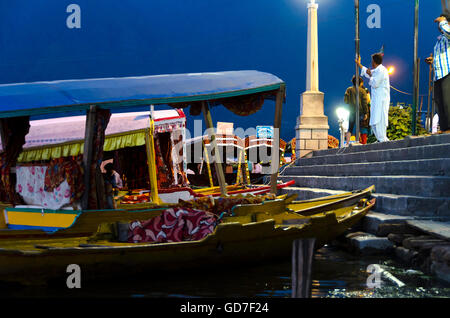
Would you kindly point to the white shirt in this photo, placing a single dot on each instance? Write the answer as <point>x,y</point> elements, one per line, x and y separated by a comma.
<point>118,179</point>
<point>435,124</point>
<point>380,95</point>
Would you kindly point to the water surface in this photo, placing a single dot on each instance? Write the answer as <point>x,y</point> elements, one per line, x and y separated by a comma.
<point>336,274</point>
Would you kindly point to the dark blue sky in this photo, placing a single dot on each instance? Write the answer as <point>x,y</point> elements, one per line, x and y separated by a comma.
<point>137,37</point>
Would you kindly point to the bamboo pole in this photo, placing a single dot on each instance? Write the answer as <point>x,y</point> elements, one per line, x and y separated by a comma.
<point>247,173</point>
<point>239,172</point>
<point>214,149</point>
<point>151,162</point>
<point>208,166</point>
<point>276,139</point>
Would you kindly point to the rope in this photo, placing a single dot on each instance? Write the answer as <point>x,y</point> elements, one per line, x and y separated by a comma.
<point>405,92</point>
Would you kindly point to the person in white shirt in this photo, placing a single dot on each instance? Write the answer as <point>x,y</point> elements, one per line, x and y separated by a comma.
<point>435,126</point>
<point>380,95</point>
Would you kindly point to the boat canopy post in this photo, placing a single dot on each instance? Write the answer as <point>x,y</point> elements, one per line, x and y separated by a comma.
<point>239,177</point>
<point>247,173</point>
<point>94,196</point>
<point>13,132</point>
<point>151,162</point>
<point>87,154</point>
<point>214,148</point>
<point>276,139</point>
<point>211,183</point>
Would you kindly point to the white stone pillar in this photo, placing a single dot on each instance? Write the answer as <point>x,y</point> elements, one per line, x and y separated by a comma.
<point>312,125</point>
<point>312,51</point>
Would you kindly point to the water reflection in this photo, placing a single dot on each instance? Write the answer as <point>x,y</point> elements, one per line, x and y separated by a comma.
<point>336,274</point>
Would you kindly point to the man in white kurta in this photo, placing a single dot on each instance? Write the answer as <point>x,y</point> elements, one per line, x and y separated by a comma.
<point>380,96</point>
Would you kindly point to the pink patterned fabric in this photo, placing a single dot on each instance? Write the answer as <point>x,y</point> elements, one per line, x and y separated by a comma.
<point>30,186</point>
<point>173,225</point>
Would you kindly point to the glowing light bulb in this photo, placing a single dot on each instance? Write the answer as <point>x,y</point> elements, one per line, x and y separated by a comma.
<point>391,70</point>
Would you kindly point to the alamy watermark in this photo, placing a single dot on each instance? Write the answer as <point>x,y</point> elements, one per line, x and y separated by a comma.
<point>374,19</point>
<point>374,279</point>
<point>74,279</point>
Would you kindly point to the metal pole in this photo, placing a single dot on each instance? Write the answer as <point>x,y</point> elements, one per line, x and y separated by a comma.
<point>433,104</point>
<point>416,67</point>
<point>357,69</point>
<point>430,84</point>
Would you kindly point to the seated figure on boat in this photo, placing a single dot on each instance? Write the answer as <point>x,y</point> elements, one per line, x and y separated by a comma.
<point>113,177</point>
<point>112,183</point>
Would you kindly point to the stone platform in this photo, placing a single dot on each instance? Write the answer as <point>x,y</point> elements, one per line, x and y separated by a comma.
<point>411,176</point>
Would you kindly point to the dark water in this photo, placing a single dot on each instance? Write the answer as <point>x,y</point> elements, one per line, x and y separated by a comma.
<point>335,274</point>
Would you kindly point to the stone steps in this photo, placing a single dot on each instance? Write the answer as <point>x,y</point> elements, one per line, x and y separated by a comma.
<point>401,154</point>
<point>411,176</point>
<point>429,167</point>
<point>404,143</point>
<point>386,203</point>
<point>412,205</point>
<point>430,186</point>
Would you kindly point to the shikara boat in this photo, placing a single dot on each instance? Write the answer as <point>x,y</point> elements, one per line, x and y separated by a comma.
<point>306,207</point>
<point>313,206</point>
<point>22,222</point>
<point>239,91</point>
<point>26,254</point>
<point>264,239</point>
<point>173,195</point>
<point>61,137</point>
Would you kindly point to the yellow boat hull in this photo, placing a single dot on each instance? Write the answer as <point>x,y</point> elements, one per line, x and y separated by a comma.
<point>25,222</point>
<point>234,243</point>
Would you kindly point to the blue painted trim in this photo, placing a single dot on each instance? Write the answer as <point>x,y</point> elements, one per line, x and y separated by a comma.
<point>30,227</point>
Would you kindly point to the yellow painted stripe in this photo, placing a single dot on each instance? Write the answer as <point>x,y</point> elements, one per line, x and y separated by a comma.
<point>38,219</point>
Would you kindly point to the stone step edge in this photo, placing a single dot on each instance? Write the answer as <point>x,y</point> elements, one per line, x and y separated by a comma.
<point>315,190</point>
<point>381,177</point>
<point>392,144</point>
<point>374,219</point>
<point>398,196</point>
<point>316,156</point>
<point>374,194</point>
<point>338,165</point>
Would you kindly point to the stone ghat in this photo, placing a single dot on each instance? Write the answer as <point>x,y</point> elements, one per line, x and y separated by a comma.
<point>419,243</point>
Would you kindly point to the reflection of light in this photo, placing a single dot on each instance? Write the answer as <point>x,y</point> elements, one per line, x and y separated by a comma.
<point>342,113</point>
<point>391,70</point>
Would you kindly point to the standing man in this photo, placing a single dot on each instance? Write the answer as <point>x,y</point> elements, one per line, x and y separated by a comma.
<point>441,65</point>
<point>380,95</point>
<point>350,100</point>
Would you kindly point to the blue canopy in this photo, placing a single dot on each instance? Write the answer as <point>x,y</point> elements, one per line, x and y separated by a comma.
<point>23,99</point>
